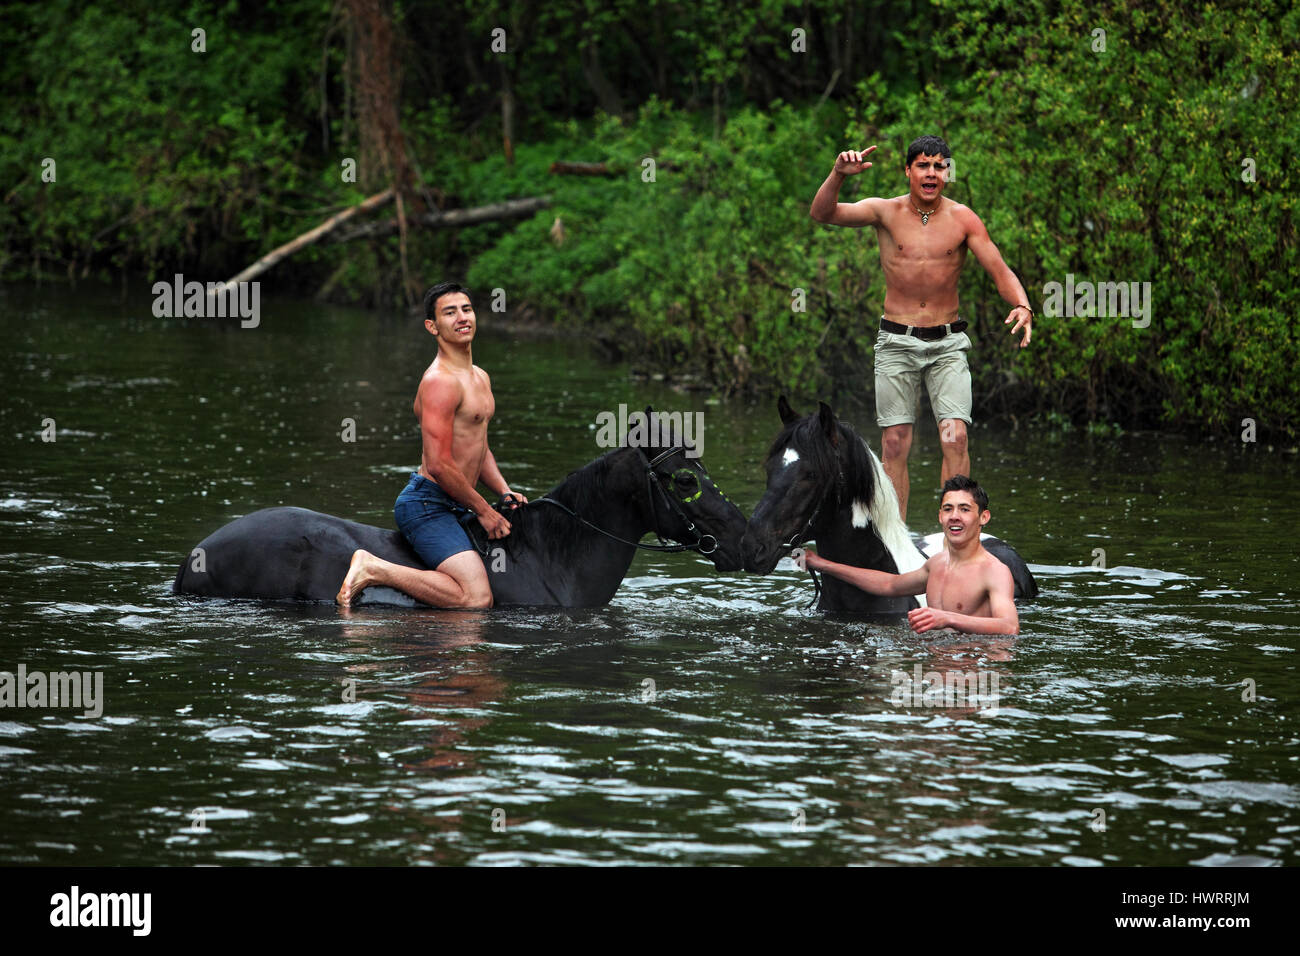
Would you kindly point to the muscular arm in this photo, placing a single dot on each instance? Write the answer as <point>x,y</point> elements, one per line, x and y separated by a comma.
<point>491,476</point>
<point>988,256</point>
<point>826,206</point>
<point>872,581</point>
<point>440,396</point>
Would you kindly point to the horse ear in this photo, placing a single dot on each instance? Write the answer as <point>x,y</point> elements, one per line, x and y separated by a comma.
<point>828,423</point>
<point>787,413</point>
<point>653,426</point>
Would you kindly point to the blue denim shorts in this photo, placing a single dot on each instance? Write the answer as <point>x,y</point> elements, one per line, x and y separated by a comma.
<point>430,520</point>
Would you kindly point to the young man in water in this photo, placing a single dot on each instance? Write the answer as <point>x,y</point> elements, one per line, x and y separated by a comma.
<point>923,241</point>
<point>966,588</point>
<point>453,405</point>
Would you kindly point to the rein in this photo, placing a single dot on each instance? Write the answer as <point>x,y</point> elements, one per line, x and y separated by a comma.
<point>653,480</point>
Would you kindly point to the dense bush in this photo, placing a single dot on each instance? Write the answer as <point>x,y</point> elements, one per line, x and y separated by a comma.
<point>1112,142</point>
<point>165,158</point>
<point>1118,158</point>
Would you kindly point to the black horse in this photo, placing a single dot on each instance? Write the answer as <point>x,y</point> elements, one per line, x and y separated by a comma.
<point>824,484</point>
<point>570,548</point>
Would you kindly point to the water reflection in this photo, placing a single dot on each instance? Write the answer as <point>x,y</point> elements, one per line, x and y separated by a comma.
<point>436,675</point>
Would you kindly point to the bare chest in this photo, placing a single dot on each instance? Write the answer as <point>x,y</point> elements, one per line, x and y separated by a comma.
<point>904,241</point>
<point>477,408</point>
<point>950,590</point>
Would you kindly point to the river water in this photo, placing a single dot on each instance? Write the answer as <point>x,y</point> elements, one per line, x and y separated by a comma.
<point>1145,715</point>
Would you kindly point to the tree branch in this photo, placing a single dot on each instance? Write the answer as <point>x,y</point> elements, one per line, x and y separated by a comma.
<point>454,218</point>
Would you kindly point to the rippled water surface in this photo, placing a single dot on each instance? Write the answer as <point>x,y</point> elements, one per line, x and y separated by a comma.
<point>700,718</point>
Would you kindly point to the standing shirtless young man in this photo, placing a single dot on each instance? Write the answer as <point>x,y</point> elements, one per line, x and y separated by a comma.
<point>454,405</point>
<point>966,588</point>
<point>923,241</point>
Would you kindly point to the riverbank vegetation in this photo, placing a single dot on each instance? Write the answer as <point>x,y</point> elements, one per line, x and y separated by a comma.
<point>1125,142</point>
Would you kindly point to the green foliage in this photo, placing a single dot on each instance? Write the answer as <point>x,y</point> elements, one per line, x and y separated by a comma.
<point>700,265</point>
<point>1126,164</point>
<point>1122,163</point>
<point>165,157</point>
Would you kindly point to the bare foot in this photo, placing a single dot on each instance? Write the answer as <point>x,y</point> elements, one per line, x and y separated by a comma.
<point>358,577</point>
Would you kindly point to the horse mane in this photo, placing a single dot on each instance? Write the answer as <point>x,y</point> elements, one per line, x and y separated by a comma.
<point>581,485</point>
<point>867,489</point>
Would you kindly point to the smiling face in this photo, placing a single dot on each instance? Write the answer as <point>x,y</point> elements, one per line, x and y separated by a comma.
<point>926,178</point>
<point>454,320</point>
<point>960,518</point>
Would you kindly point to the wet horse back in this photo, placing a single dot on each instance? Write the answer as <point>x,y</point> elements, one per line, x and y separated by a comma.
<point>287,554</point>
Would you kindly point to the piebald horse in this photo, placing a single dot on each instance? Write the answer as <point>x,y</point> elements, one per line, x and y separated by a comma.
<point>825,485</point>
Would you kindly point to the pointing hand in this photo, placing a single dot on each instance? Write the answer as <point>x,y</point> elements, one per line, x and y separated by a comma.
<point>853,161</point>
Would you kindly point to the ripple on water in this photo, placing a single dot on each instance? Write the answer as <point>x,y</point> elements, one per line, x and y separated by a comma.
<point>1253,792</point>
<point>1117,693</point>
<point>236,732</point>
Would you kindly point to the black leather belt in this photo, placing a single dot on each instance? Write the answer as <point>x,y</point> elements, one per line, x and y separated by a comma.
<point>927,332</point>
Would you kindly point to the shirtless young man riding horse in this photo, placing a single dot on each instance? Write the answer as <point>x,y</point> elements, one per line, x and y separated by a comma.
<point>966,588</point>
<point>453,405</point>
<point>923,241</point>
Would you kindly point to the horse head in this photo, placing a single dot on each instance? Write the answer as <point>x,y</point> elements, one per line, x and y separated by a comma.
<point>820,476</point>
<point>683,503</point>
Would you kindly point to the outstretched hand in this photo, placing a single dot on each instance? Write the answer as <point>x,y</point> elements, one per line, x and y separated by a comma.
<point>853,161</point>
<point>1024,319</point>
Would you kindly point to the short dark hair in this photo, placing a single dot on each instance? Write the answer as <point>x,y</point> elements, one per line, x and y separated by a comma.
<point>437,292</point>
<point>962,483</point>
<point>930,146</point>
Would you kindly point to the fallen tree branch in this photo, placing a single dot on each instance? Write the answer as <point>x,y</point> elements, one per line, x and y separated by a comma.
<point>307,238</point>
<point>580,169</point>
<point>451,219</point>
<point>563,167</point>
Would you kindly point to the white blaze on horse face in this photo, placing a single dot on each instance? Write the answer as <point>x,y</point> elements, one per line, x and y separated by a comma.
<point>790,457</point>
<point>861,514</point>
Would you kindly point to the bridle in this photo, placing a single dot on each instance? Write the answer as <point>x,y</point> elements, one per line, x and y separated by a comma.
<point>802,535</point>
<point>655,481</point>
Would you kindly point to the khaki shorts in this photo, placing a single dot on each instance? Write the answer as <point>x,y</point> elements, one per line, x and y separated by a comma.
<point>904,362</point>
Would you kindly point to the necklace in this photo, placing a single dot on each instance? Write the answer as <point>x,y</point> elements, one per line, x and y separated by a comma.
<point>925,216</point>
